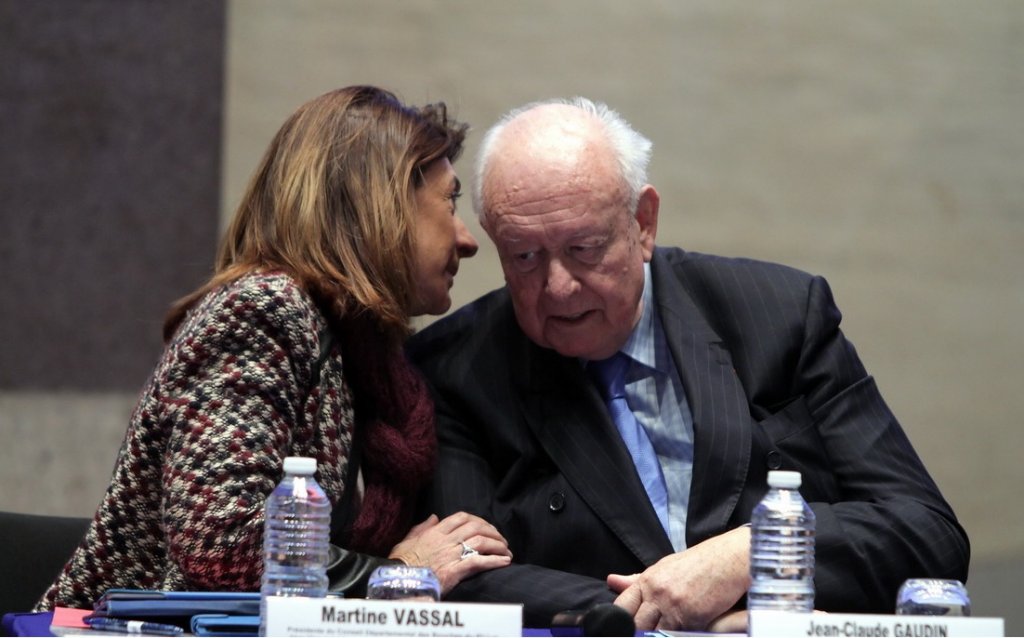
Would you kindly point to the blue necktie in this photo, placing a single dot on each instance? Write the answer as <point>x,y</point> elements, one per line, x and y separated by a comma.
<point>611,377</point>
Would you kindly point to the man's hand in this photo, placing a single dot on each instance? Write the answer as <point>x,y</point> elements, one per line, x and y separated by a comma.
<point>688,590</point>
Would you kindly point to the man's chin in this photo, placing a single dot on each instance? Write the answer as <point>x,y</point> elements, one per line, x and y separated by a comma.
<point>583,346</point>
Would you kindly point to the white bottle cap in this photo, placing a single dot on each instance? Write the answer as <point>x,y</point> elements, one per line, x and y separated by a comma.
<point>301,465</point>
<point>785,480</point>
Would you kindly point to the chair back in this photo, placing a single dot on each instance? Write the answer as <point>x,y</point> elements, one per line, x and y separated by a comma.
<point>33,550</point>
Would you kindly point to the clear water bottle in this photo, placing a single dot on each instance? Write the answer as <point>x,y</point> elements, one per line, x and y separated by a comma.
<point>296,536</point>
<point>782,548</point>
<point>933,597</point>
<point>403,582</point>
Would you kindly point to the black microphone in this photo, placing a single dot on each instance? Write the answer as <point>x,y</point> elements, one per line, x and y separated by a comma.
<point>604,619</point>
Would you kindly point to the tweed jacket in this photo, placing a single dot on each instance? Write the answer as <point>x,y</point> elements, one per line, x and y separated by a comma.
<point>231,396</point>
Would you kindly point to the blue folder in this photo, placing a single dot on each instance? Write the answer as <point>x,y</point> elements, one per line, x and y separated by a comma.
<point>176,607</point>
<point>225,625</point>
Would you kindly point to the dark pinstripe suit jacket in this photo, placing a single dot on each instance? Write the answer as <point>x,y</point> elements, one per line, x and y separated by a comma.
<point>772,383</point>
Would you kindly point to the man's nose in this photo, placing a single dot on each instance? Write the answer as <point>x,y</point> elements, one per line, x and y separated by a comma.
<point>561,282</point>
<point>465,243</point>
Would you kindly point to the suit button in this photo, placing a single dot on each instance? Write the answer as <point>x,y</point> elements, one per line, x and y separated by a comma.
<point>774,460</point>
<point>556,502</point>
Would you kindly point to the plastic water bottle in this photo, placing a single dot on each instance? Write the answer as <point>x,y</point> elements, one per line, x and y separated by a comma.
<point>782,548</point>
<point>296,536</point>
<point>403,582</point>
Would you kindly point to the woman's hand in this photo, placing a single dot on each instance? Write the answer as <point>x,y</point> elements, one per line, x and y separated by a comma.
<point>438,544</point>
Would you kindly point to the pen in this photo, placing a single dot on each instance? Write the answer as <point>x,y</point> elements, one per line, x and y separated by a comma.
<point>138,627</point>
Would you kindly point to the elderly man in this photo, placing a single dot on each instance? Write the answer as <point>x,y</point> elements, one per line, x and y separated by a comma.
<point>729,368</point>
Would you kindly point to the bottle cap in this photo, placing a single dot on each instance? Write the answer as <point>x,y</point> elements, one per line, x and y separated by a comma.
<point>785,480</point>
<point>301,465</point>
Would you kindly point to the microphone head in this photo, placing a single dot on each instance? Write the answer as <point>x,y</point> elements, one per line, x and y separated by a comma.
<point>607,619</point>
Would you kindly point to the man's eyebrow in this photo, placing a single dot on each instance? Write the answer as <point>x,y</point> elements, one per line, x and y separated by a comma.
<point>512,239</point>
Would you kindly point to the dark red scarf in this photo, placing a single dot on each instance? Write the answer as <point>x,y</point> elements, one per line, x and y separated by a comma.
<point>395,420</point>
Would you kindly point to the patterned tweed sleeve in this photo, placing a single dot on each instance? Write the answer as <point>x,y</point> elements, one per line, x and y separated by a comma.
<point>229,399</point>
<point>232,404</point>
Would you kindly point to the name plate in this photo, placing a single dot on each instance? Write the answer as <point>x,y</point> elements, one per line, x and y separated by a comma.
<point>293,616</point>
<point>780,623</point>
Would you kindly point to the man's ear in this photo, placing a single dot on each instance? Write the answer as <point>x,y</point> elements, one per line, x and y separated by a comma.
<point>647,218</point>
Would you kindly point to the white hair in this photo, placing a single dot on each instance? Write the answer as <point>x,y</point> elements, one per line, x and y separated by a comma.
<point>631,149</point>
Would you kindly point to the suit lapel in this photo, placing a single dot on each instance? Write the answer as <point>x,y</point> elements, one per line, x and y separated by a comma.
<point>569,419</point>
<point>721,419</point>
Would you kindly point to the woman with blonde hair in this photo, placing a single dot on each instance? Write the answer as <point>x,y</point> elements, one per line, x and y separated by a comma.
<point>294,348</point>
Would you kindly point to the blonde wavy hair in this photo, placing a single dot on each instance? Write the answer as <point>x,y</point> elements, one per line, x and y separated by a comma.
<point>332,203</point>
